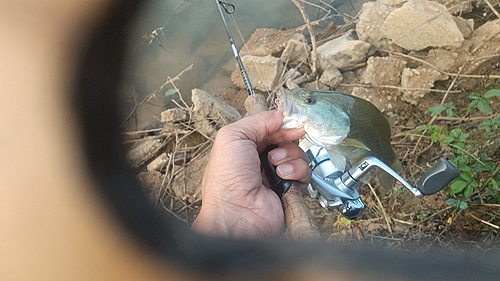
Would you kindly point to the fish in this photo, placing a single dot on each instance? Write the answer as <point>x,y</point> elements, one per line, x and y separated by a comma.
<point>348,127</point>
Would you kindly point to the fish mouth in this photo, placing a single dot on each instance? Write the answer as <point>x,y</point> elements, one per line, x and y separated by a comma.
<point>291,112</point>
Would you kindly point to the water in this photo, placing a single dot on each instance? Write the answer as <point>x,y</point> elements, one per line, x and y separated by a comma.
<point>190,32</point>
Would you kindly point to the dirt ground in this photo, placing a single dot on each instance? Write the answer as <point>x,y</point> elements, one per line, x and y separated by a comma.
<point>395,218</point>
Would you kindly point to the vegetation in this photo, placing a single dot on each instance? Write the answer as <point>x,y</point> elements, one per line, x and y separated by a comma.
<point>474,148</point>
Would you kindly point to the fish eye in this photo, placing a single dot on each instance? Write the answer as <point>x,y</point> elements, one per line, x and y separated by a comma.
<point>309,100</point>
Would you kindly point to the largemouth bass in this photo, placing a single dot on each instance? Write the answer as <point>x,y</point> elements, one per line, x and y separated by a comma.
<point>349,127</point>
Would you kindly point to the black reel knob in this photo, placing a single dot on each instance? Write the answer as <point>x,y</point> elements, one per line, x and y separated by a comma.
<point>437,177</point>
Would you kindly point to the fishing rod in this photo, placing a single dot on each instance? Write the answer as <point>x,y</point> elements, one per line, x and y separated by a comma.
<point>230,8</point>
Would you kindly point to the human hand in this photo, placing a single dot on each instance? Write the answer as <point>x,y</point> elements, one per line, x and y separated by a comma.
<point>235,201</point>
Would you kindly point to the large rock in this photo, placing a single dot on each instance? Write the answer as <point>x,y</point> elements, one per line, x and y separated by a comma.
<point>343,52</point>
<point>263,72</point>
<point>420,24</point>
<point>373,15</point>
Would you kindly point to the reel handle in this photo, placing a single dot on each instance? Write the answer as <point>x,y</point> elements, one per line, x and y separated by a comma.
<point>435,179</point>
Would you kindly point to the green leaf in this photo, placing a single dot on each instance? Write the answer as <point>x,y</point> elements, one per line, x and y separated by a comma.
<point>484,106</point>
<point>447,139</point>
<point>463,205</point>
<point>492,93</point>
<point>457,186</point>
<point>468,190</point>
<point>452,202</point>
<point>170,92</point>
<point>435,110</point>
<point>494,183</point>
<point>471,105</point>
<point>466,176</point>
<point>474,96</point>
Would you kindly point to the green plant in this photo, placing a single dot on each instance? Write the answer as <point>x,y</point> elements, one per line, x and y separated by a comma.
<point>476,163</point>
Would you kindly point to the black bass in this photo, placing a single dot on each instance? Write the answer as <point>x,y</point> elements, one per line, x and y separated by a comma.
<point>347,126</point>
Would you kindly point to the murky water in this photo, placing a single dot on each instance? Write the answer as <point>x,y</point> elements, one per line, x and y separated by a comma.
<point>169,36</point>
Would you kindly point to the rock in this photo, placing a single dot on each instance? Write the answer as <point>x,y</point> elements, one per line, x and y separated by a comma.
<point>383,71</point>
<point>485,45</point>
<point>445,60</point>
<point>465,26</point>
<point>211,113</point>
<point>385,103</point>
<point>331,76</point>
<point>421,78</point>
<point>393,3</point>
<point>420,24</point>
<point>174,115</point>
<point>343,52</point>
<point>263,72</point>
<point>486,39</point>
<point>268,41</point>
<point>295,52</point>
<point>371,18</point>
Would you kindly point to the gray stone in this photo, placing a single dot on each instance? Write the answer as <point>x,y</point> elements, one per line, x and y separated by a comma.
<point>420,24</point>
<point>331,76</point>
<point>343,52</point>
<point>263,72</point>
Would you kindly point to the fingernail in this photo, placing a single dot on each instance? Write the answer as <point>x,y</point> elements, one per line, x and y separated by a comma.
<point>277,154</point>
<point>285,169</point>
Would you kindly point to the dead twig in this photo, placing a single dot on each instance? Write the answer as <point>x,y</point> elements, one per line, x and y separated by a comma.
<point>314,52</point>
<point>382,209</point>
<point>483,221</point>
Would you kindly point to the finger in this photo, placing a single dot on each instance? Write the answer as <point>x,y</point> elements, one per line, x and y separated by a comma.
<point>296,169</point>
<point>262,128</point>
<point>286,152</point>
<point>256,128</point>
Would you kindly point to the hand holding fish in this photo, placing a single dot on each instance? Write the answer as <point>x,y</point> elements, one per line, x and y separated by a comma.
<point>236,203</point>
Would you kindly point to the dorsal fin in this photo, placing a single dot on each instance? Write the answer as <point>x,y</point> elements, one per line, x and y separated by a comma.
<point>355,143</point>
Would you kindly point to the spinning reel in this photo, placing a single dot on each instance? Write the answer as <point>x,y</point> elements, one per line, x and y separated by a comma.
<point>336,189</point>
